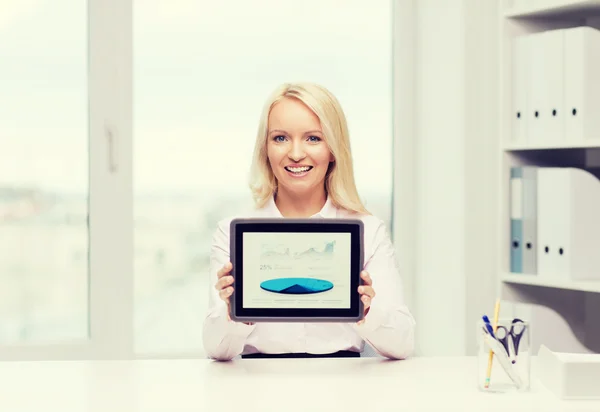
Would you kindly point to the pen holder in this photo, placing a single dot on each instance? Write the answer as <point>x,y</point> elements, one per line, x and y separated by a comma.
<point>508,367</point>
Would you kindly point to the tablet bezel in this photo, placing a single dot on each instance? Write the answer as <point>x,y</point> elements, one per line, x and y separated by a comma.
<point>239,226</point>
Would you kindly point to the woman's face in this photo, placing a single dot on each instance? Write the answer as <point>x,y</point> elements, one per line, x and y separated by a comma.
<point>298,155</point>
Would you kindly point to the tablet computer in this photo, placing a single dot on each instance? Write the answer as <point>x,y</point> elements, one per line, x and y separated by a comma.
<point>305,270</point>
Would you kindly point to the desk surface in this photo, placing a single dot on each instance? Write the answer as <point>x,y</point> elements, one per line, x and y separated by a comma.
<point>361,384</point>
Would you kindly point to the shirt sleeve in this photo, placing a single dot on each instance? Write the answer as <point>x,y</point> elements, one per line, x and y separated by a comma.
<point>223,338</point>
<point>389,327</point>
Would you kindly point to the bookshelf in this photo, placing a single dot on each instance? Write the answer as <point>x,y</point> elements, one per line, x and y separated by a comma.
<point>571,9</point>
<point>565,314</point>
<point>515,147</point>
<point>533,280</point>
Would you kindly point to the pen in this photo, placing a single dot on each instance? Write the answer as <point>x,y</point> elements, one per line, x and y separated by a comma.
<point>488,326</point>
<point>491,355</point>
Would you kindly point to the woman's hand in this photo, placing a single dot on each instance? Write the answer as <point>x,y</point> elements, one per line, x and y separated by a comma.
<point>223,285</point>
<point>366,291</point>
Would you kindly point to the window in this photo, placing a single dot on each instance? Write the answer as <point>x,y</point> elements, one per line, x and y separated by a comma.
<point>202,70</point>
<point>43,172</point>
<point>68,174</point>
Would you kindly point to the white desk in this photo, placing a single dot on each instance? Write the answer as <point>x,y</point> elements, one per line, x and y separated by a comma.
<point>361,384</point>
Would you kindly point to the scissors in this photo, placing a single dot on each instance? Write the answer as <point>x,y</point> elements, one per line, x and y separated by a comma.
<point>513,335</point>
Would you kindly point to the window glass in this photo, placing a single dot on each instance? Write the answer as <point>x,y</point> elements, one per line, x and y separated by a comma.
<point>43,171</point>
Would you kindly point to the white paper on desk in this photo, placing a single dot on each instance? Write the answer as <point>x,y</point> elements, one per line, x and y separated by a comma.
<point>578,357</point>
<point>570,375</point>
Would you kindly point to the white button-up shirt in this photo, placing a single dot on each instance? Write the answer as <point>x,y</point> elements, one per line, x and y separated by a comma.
<point>388,328</point>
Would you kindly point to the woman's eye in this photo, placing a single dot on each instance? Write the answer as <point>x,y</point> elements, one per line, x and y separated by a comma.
<point>314,138</point>
<point>279,138</point>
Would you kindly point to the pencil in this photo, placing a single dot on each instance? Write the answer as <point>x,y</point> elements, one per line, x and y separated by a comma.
<point>491,355</point>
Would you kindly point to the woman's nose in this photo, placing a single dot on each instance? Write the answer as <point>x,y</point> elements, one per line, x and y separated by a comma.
<point>296,153</point>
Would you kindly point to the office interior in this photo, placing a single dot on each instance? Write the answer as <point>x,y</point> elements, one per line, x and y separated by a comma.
<point>127,129</point>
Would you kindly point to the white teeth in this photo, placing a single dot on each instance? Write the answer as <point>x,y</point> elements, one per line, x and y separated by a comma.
<point>298,169</point>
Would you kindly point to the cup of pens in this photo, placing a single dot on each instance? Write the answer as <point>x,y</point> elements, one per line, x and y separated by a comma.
<point>504,355</point>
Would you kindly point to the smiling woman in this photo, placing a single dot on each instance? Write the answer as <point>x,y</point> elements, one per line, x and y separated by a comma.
<point>302,168</point>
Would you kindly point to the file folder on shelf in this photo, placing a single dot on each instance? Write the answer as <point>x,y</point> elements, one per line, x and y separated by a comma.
<point>520,64</point>
<point>545,79</point>
<point>556,87</point>
<point>582,84</point>
<point>536,88</point>
<point>568,219</point>
<point>523,219</point>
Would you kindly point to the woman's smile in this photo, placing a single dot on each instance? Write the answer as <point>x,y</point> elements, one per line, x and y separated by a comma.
<point>298,170</point>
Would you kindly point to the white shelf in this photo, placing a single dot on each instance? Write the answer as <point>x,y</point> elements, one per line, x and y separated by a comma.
<point>534,280</point>
<point>566,145</point>
<point>557,8</point>
<point>548,301</point>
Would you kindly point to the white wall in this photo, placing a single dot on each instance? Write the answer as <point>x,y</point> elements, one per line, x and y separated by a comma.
<point>444,171</point>
<point>440,137</point>
<point>482,154</point>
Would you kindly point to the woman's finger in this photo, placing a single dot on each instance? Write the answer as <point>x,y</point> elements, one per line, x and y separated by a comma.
<point>219,285</point>
<point>366,277</point>
<point>224,270</point>
<point>366,301</point>
<point>367,290</point>
<point>225,293</point>
<point>224,282</point>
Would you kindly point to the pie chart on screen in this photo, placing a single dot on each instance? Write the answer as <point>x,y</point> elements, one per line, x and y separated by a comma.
<point>296,286</point>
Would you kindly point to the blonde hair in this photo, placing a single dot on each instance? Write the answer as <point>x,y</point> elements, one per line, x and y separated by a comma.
<point>339,180</point>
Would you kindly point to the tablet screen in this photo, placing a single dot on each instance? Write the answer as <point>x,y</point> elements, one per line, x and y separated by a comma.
<point>296,270</point>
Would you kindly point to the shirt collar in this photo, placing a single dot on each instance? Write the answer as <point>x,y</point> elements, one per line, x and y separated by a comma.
<point>327,211</point>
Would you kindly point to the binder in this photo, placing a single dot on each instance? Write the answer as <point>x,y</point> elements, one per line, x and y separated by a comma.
<point>568,224</point>
<point>582,84</point>
<point>520,65</point>
<point>536,91</point>
<point>523,258</point>
<point>546,117</point>
<point>530,220</point>
<point>553,109</point>
<point>516,220</point>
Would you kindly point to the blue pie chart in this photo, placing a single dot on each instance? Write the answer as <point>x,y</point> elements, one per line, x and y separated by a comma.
<point>296,286</point>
